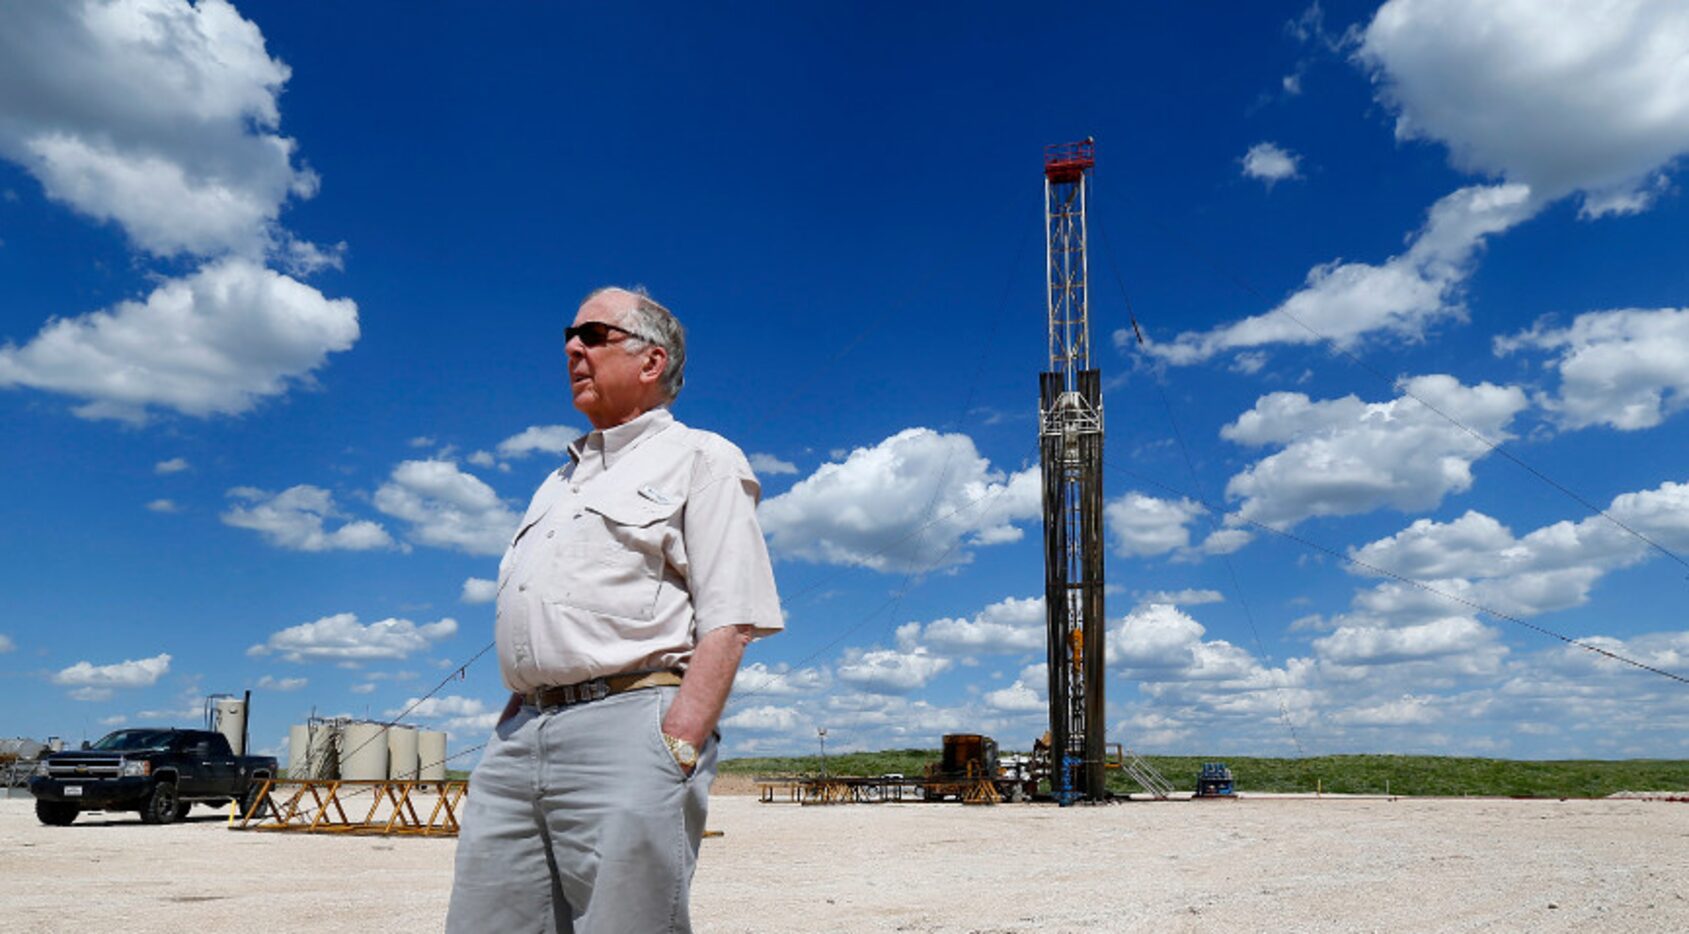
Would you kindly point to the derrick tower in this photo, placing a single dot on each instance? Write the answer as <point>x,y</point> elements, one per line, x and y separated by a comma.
<point>1070,434</point>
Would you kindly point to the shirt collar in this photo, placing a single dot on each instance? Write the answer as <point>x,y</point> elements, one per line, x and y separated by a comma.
<point>611,444</point>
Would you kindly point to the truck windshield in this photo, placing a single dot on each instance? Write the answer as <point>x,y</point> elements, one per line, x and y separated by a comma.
<point>133,739</point>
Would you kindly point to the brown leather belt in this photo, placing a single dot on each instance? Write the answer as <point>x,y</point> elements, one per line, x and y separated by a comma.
<point>567,695</point>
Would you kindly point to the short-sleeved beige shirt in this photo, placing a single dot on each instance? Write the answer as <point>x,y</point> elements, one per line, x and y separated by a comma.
<point>644,542</point>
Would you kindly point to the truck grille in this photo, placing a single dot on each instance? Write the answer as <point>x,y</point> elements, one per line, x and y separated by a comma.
<point>103,767</point>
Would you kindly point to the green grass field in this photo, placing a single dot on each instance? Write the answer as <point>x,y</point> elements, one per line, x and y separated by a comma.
<point>1401,775</point>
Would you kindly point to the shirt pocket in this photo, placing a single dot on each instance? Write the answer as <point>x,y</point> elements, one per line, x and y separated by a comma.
<point>617,568</point>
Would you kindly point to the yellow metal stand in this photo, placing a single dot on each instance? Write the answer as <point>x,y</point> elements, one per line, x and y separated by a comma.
<point>321,806</point>
<point>981,791</point>
<point>827,792</point>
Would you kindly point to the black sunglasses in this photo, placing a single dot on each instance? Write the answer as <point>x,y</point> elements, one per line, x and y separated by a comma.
<point>597,333</point>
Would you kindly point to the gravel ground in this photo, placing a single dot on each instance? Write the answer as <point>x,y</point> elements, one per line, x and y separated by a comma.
<point>1257,864</point>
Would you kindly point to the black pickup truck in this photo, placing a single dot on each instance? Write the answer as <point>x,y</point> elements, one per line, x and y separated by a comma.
<point>160,773</point>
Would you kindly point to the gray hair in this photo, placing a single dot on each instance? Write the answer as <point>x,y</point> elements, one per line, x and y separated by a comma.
<point>654,324</point>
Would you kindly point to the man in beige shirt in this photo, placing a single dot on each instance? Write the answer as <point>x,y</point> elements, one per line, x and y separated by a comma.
<point>625,601</point>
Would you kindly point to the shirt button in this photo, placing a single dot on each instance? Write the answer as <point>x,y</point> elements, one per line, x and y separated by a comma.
<point>551,533</point>
<point>522,587</point>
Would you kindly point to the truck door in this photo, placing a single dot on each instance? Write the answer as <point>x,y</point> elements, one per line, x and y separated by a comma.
<point>220,767</point>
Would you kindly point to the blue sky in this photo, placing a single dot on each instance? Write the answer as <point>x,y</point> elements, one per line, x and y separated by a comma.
<point>282,290</point>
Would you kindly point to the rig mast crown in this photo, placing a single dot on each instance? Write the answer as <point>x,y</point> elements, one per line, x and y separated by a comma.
<point>1067,162</point>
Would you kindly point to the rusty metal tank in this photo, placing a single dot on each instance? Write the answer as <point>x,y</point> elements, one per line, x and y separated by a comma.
<point>964,749</point>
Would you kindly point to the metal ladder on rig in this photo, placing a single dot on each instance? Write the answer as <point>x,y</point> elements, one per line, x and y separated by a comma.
<point>1146,775</point>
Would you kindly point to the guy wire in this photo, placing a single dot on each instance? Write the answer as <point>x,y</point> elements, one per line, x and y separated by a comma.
<point>1412,582</point>
<point>1494,446</point>
<point>1190,467</point>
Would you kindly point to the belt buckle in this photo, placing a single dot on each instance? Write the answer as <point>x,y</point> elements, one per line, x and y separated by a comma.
<point>568,695</point>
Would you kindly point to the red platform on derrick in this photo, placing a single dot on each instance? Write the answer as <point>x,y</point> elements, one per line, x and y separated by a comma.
<point>1067,162</point>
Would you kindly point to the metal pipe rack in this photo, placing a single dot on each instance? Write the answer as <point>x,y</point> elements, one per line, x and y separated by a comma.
<point>393,807</point>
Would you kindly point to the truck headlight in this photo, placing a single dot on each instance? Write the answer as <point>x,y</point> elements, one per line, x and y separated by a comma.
<point>134,768</point>
<point>40,770</point>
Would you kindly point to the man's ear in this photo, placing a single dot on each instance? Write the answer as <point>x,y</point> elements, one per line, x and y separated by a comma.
<point>655,363</point>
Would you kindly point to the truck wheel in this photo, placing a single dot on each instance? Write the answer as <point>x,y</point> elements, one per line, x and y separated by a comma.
<point>160,806</point>
<point>55,813</point>
<point>252,798</point>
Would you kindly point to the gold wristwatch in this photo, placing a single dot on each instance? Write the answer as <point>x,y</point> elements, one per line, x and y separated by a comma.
<point>683,752</point>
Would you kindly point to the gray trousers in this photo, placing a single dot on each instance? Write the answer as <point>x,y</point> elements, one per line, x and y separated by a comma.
<point>579,820</point>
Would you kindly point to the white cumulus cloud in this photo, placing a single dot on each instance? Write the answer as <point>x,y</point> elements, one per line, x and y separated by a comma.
<point>1158,642</point>
<point>1347,302</point>
<point>1225,541</point>
<point>341,638</point>
<point>447,508</point>
<point>447,705</point>
<point>1008,626</point>
<point>1345,456</point>
<point>1270,163</point>
<point>1186,597</point>
<point>1378,645</point>
<point>453,713</point>
<point>1155,635</point>
<point>764,719</point>
<point>1144,525</point>
<point>1562,95</point>
<point>779,680</point>
<point>1668,651</point>
<point>1017,697</point>
<point>1407,710</point>
<point>1627,369</point>
<point>158,115</point>
<point>479,590</point>
<point>95,682</point>
<point>296,519</point>
<point>914,502</point>
<point>271,683</point>
<point>1476,558</point>
<point>173,465</point>
<point>885,671</point>
<point>161,116</point>
<point>214,342</point>
<point>552,439</point>
<point>768,464</point>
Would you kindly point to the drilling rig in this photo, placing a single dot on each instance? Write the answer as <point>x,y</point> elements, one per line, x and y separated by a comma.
<point>1070,434</point>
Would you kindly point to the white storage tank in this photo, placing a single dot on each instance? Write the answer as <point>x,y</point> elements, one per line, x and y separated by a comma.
<point>402,753</point>
<point>298,751</point>
<point>363,751</point>
<point>324,758</point>
<point>431,749</point>
<point>226,714</point>
<point>310,750</point>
